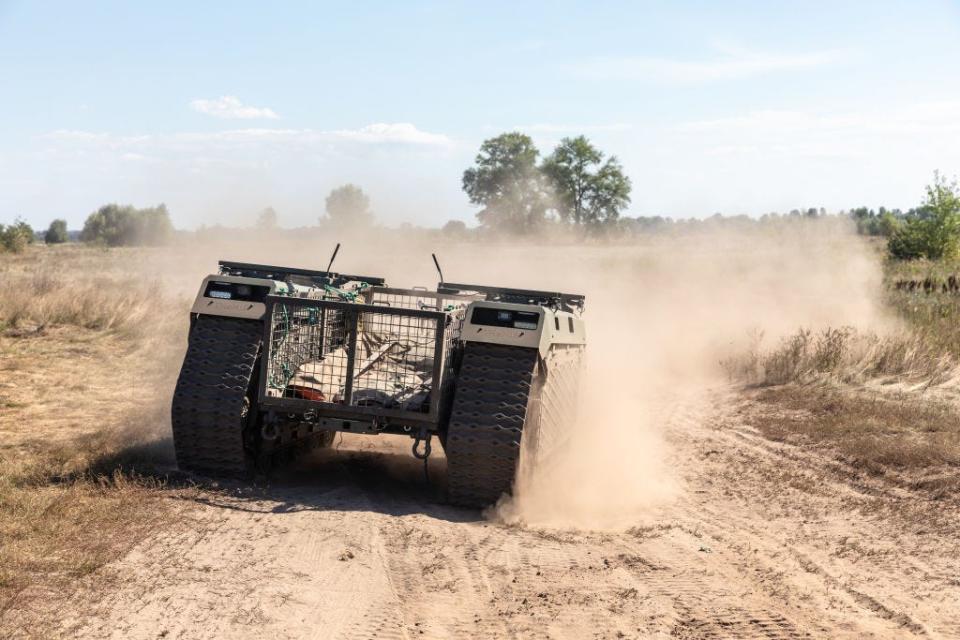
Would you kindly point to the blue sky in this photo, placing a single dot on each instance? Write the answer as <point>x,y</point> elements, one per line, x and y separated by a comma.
<point>219,111</point>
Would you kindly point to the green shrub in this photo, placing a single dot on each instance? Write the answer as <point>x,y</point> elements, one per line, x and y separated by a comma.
<point>56,232</point>
<point>16,237</point>
<point>933,231</point>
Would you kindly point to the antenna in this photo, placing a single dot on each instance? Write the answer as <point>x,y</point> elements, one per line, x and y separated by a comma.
<point>437,264</point>
<point>333,257</point>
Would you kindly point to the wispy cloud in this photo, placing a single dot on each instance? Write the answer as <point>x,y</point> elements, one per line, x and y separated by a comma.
<point>728,64</point>
<point>919,117</point>
<point>860,133</point>
<point>561,128</point>
<point>95,139</point>
<point>380,133</point>
<point>387,133</point>
<point>230,107</point>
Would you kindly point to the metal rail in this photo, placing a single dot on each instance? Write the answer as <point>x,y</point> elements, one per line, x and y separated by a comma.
<point>567,301</point>
<point>413,298</point>
<point>270,272</point>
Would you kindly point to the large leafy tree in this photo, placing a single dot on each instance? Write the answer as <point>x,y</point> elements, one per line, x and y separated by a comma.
<point>589,190</point>
<point>933,231</point>
<point>506,181</point>
<point>348,205</point>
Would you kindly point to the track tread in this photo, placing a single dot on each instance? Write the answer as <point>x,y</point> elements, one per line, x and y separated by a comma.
<point>486,422</point>
<point>208,402</point>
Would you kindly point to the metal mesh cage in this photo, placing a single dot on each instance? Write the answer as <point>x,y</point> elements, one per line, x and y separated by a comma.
<point>384,358</point>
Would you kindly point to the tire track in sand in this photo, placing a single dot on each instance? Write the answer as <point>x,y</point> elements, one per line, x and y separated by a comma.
<point>355,545</point>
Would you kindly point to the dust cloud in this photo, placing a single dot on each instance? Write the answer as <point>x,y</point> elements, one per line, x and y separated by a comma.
<point>660,315</point>
<point>659,320</point>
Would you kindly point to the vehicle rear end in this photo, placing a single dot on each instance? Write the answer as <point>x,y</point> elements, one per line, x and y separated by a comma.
<point>281,360</point>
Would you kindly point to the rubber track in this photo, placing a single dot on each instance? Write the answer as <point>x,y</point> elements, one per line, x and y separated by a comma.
<point>486,422</point>
<point>553,408</point>
<point>207,412</point>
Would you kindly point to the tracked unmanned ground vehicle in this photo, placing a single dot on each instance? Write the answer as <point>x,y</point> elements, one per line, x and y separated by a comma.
<point>279,360</point>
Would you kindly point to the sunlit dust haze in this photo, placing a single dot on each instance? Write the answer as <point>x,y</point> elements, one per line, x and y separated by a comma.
<point>659,320</point>
<point>660,316</point>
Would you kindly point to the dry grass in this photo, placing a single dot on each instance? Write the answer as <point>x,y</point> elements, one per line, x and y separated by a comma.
<point>70,504</point>
<point>842,355</point>
<point>926,349</point>
<point>58,530</point>
<point>884,403</point>
<point>902,434</point>
<point>932,317</point>
<point>81,287</point>
<point>87,358</point>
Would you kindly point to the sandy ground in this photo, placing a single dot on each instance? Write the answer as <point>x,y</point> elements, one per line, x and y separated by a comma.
<point>764,541</point>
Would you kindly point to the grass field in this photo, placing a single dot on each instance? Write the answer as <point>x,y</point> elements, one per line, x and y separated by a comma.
<point>90,342</point>
<point>84,377</point>
<point>932,316</point>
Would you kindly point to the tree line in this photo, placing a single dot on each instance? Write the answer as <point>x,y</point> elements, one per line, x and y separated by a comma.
<point>576,187</point>
<point>111,225</point>
<point>115,225</point>
<point>930,230</point>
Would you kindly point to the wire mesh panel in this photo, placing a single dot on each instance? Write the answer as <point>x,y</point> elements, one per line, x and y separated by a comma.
<point>376,358</point>
<point>395,364</point>
<point>300,336</point>
<point>301,339</point>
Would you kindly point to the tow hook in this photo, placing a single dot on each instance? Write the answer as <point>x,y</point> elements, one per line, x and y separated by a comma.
<point>425,437</point>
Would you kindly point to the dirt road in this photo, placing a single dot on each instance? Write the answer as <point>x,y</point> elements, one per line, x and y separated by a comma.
<point>765,541</point>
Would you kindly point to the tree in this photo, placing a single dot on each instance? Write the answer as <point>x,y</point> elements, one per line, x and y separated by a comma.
<point>887,223</point>
<point>589,190</point>
<point>107,225</point>
<point>454,229</point>
<point>115,225</point>
<point>56,232</point>
<point>267,220</point>
<point>152,226</point>
<point>508,183</point>
<point>16,237</point>
<point>933,230</point>
<point>882,222</point>
<point>349,206</point>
